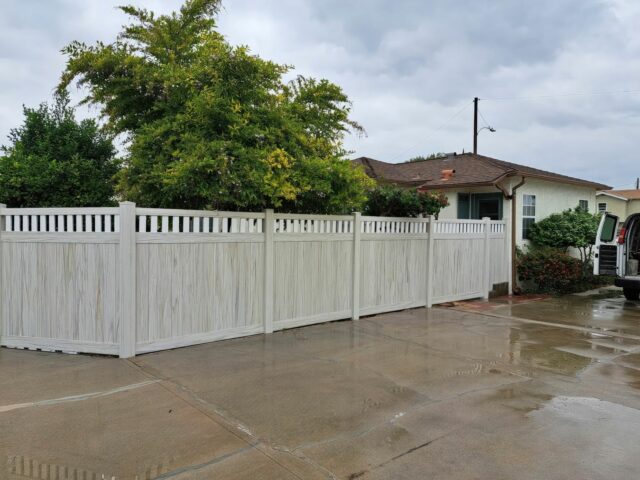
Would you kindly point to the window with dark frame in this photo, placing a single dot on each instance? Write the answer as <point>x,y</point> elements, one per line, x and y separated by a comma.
<point>528,214</point>
<point>583,205</point>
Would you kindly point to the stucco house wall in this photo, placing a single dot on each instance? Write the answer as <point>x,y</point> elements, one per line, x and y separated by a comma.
<point>619,207</point>
<point>551,197</point>
<point>615,206</point>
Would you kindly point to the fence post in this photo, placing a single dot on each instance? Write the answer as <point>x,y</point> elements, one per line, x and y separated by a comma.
<point>268,270</point>
<point>507,248</point>
<point>357,222</point>
<point>127,287</point>
<point>2,223</point>
<point>487,258</point>
<point>429,279</point>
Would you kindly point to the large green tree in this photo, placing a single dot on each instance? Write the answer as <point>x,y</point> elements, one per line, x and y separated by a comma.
<point>55,161</point>
<point>213,126</point>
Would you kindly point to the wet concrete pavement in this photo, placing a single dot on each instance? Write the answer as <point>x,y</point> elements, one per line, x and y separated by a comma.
<point>536,389</point>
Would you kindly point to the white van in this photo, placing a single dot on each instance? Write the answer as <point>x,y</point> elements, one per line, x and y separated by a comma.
<point>619,255</point>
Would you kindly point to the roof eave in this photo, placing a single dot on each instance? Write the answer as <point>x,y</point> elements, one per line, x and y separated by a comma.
<point>568,181</point>
<point>613,196</point>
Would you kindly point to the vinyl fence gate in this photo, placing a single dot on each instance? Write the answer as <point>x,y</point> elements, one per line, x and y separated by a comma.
<point>127,280</point>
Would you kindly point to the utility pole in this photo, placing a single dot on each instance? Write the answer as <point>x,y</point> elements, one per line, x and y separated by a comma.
<point>638,183</point>
<point>475,126</point>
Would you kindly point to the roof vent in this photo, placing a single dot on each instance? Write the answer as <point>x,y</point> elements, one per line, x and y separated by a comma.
<point>447,173</point>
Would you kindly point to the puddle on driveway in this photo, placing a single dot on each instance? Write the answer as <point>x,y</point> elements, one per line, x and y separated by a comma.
<point>608,311</point>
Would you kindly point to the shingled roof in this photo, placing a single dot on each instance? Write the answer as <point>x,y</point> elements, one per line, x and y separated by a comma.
<point>470,170</point>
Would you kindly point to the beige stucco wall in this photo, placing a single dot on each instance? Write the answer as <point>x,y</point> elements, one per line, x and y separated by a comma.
<point>614,205</point>
<point>633,206</point>
<point>551,197</point>
<point>620,207</point>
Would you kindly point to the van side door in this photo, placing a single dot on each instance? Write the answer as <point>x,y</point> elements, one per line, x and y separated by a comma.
<point>606,257</point>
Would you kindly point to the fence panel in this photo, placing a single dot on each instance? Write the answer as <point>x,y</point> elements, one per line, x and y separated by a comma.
<point>59,286</point>
<point>200,281</point>
<point>131,280</point>
<point>393,263</point>
<point>312,275</point>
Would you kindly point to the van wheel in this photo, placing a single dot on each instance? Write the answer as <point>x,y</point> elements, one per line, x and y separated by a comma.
<point>631,293</point>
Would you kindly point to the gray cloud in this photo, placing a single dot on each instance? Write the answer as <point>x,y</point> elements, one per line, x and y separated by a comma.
<point>408,66</point>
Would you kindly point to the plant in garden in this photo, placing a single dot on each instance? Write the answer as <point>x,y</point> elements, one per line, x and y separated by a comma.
<point>394,201</point>
<point>55,161</point>
<point>209,125</point>
<point>549,270</point>
<point>575,228</point>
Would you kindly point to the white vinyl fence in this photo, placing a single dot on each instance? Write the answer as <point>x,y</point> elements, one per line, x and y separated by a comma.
<point>129,280</point>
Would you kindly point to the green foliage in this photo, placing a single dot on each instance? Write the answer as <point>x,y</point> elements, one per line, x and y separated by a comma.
<point>422,158</point>
<point>549,270</point>
<point>393,201</point>
<point>55,161</point>
<point>575,228</point>
<point>211,125</point>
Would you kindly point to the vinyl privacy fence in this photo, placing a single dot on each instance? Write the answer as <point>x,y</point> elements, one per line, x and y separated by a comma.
<point>129,280</point>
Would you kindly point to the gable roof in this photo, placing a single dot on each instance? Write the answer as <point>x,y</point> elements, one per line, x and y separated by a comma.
<point>470,170</point>
<point>622,194</point>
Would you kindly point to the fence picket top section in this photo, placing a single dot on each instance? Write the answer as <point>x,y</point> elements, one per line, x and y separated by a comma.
<point>60,220</point>
<point>171,212</point>
<point>158,221</point>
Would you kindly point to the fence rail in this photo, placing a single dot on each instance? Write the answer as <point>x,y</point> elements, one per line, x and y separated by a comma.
<point>131,280</point>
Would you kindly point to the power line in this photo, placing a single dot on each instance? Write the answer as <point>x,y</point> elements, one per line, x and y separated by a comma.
<point>483,119</point>
<point>561,95</point>
<point>442,125</point>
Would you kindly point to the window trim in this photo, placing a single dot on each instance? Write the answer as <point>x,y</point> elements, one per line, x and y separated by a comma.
<point>528,201</point>
<point>605,207</point>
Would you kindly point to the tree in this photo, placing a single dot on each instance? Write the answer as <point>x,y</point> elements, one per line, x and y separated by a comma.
<point>422,158</point>
<point>55,161</point>
<point>575,228</point>
<point>211,125</point>
<point>393,201</point>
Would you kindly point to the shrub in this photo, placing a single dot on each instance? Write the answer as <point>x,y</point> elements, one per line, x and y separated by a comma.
<point>575,228</point>
<point>550,270</point>
<point>393,201</point>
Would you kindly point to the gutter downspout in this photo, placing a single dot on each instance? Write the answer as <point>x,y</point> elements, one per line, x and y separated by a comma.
<point>512,196</point>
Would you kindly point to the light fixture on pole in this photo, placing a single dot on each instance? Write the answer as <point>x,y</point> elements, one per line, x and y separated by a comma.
<point>476,131</point>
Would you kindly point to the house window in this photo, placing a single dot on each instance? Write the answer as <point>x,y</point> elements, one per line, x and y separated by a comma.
<point>479,205</point>
<point>528,214</point>
<point>583,205</point>
<point>602,207</point>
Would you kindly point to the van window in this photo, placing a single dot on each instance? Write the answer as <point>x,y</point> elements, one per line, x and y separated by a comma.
<point>608,229</point>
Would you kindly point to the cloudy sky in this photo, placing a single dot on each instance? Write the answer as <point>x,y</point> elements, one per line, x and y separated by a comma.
<point>559,80</point>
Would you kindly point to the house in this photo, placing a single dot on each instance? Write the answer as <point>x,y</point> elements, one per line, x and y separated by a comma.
<point>621,203</point>
<point>478,186</point>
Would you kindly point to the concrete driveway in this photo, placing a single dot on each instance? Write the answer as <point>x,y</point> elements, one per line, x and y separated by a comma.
<point>541,389</point>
